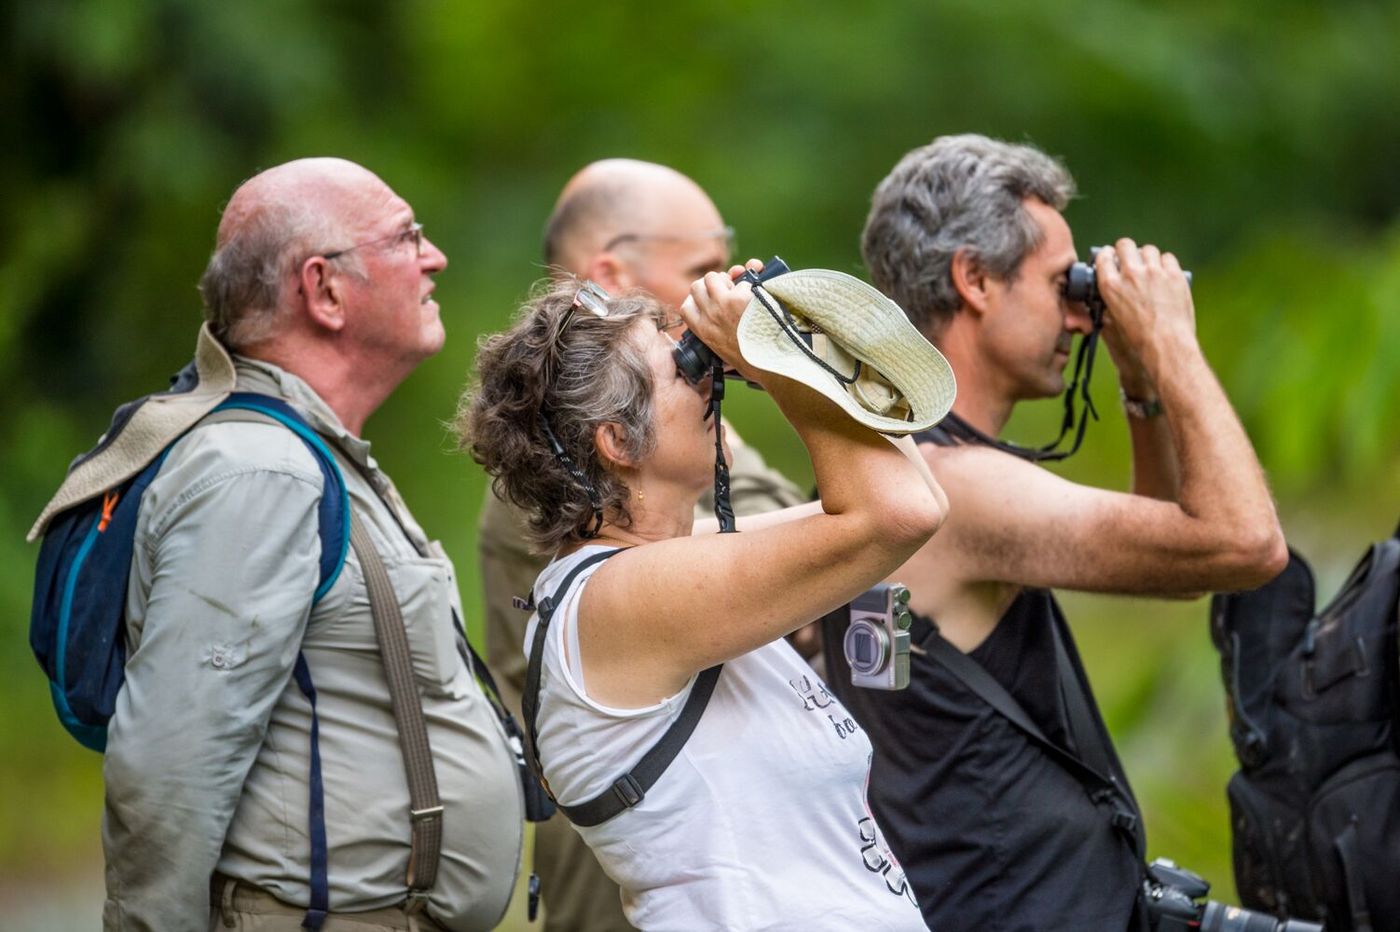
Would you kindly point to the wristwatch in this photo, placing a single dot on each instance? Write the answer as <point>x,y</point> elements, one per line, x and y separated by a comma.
<point>1139,408</point>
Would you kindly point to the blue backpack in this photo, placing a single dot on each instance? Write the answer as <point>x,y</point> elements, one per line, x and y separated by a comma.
<point>77,623</point>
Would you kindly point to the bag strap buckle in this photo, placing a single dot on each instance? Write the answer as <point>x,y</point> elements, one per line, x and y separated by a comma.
<point>628,791</point>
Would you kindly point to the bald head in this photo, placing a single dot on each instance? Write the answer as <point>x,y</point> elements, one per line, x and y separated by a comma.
<point>627,223</point>
<point>273,221</point>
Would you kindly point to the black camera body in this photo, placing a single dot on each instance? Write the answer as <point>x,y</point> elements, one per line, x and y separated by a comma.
<point>695,359</point>
<point>1082,284</point>
<point>1171,892</point>
<point>876,644</point>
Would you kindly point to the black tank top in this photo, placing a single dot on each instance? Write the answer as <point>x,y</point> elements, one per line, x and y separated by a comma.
<point>993,834</point>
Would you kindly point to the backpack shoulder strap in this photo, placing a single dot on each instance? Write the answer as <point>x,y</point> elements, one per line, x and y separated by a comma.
<point>333,512</point>
<point>530,698</point>
<point>629,789</point>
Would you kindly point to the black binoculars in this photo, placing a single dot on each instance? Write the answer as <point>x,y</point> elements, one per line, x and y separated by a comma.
<point>1082,284</point>
<point>695,359</point>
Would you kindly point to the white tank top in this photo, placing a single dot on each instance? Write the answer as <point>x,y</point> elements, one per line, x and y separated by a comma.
<point>761,820</point>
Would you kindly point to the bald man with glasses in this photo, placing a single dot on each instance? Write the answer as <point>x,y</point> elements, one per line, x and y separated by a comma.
<point>254,772</point>
<point>623,224</point>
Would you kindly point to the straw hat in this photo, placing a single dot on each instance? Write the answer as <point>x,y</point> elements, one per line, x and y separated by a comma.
<point>846,340</point>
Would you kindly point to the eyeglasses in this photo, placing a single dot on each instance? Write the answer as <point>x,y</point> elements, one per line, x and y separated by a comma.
<point>726,233</point>
<point>592,298</point>
<point>414,233</point>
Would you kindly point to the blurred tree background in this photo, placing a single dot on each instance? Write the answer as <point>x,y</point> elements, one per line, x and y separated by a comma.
<point>1258,141</point>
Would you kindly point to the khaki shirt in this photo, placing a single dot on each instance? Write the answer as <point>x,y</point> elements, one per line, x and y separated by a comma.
<point>208,761</point>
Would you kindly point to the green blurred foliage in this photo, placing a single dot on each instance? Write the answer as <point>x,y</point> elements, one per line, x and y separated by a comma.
<point>1259,142</point>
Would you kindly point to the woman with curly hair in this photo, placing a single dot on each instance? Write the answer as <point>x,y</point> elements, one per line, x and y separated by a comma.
<point>582,418</point>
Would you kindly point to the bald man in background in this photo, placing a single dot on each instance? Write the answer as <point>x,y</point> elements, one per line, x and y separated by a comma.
<point>626,225</point>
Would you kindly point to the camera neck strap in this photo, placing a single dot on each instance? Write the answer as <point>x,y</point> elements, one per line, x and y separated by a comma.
<point>724,511</point>
<point>961,430</point>
<point>631,788</point>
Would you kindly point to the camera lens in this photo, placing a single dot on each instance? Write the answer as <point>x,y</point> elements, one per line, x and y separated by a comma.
<point>863,650</point>
<point>1218,917</point>
<point>866,647</point>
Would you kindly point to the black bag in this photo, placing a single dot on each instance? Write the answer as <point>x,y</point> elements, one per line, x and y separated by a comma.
<point>1315,806</point>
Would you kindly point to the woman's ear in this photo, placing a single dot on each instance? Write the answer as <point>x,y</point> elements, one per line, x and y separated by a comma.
<point>971,280</point>
<point>611,441</point>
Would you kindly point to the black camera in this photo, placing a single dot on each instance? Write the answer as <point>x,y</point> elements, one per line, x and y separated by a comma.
<point>695,359</point>
<point>876,644</point>
<point>1082,284</point>
<point>1171,893</point>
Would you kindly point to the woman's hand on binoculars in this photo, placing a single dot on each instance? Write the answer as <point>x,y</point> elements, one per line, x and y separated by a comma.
<point>753,265</point>
<point>712,313</point>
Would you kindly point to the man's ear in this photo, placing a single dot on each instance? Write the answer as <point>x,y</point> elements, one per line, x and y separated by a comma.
<point>321,292</point>
<point>971,279</point>
<point>611,441</point>
<point>609,270</point>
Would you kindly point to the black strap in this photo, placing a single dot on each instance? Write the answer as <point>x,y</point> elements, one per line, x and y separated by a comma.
<point>953,430</point>
<point>1099,784</point>
<point>957,430</point>
<point>724,511</point>
<point>1345,845</point>
<point>629,789</point>
<point>1083,735</point>
<point>530,697</point>
<point>1088,742</point>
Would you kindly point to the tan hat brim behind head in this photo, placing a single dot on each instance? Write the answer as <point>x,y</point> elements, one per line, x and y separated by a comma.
<point>864,323</point>
<point>155,424</point>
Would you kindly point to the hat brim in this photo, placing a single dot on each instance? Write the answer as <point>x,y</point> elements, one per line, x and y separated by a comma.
<point>868,326</point>
<point>160,419</point>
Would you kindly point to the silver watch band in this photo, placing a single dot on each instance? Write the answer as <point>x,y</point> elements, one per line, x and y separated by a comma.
<point>1140,408</point>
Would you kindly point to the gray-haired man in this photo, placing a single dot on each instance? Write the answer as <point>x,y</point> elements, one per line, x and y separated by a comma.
<point>995,831</point>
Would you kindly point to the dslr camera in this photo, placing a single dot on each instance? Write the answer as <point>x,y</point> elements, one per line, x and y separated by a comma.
<point>1171,893</point>
<point>695,359</point>
<point>876,644</point>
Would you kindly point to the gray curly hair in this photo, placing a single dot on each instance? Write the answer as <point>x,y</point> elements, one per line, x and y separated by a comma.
<point>563,371</point>
<point>958,192</point>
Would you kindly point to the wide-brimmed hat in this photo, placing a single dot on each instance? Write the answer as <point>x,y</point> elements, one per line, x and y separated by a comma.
<point>838,335</point>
